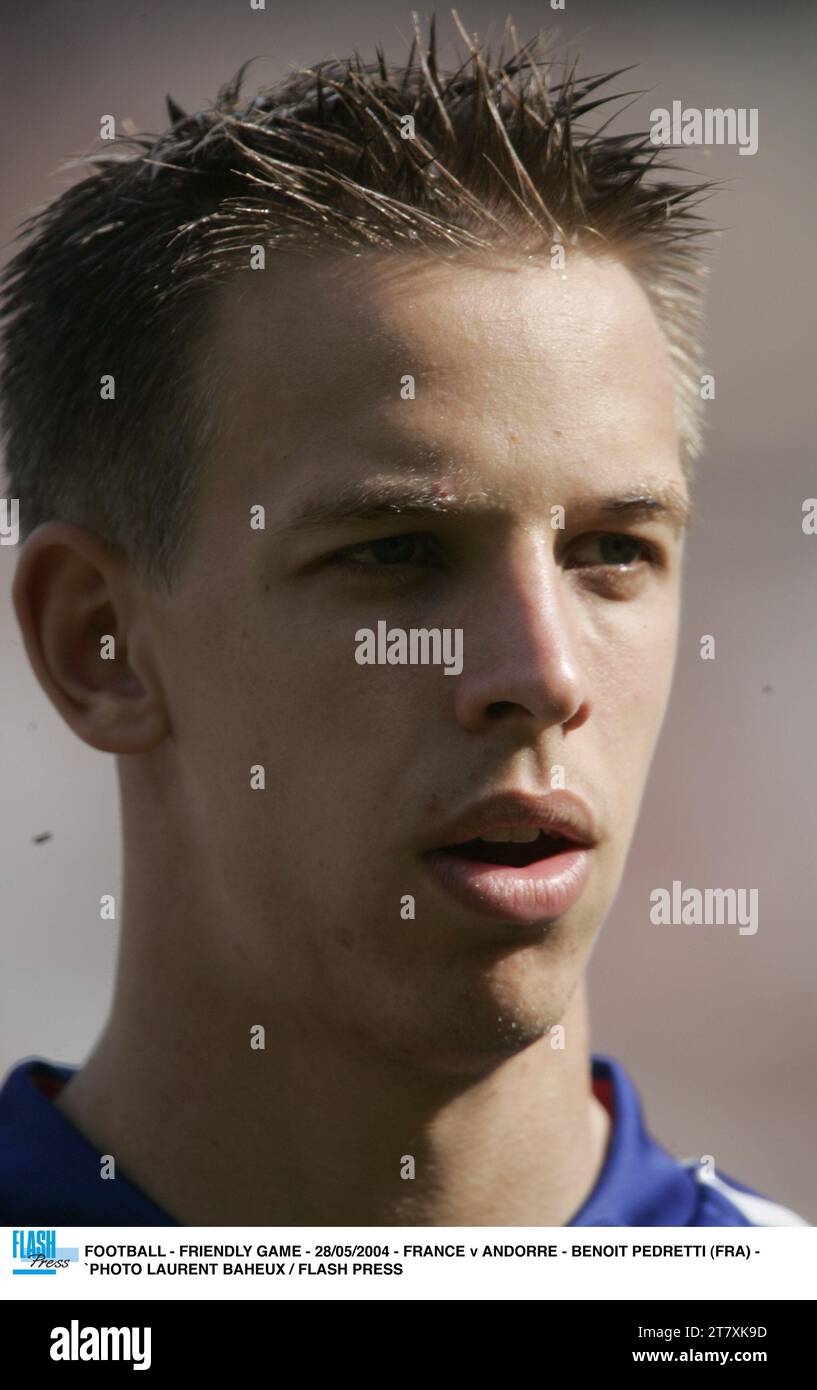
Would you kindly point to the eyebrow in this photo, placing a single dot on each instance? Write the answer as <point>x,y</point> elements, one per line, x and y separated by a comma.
<point>661,502</point>
<point>376,499</point>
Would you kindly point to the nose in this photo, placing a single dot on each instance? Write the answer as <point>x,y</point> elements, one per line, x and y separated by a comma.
<point>521,663</point>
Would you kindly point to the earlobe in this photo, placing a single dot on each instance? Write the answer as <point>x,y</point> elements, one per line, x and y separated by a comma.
<point>75,605</point>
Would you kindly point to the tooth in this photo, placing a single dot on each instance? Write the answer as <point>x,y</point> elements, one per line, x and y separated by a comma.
<point>517,835</point>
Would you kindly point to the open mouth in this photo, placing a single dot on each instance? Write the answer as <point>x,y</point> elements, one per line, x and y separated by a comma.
<point>511,854</point>
<point>528,864</point>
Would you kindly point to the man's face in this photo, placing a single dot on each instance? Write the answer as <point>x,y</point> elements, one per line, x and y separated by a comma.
<point>533,390</point>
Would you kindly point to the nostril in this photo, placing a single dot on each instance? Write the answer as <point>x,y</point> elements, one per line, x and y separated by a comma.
<point>498,708</point>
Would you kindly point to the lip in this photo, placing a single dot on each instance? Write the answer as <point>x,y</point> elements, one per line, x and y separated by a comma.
<point>557,812</point>
<point>537,893</point>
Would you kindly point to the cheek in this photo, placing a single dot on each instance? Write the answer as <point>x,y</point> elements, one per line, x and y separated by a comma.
<point>630,662</point>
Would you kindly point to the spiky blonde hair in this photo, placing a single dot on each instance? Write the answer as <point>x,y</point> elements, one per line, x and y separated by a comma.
<point>116,273</point>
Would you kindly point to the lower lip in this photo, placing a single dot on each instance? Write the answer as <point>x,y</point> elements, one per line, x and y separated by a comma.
<point>538,893</point>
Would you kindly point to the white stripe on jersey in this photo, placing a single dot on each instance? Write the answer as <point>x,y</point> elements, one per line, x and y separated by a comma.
<point>758,1210</point>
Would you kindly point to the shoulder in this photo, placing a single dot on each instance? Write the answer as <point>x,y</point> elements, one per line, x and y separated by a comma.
<point>31,1138</point>
<point>643,1184</point>
<point>49,1172</point>
<point>723,1201</point>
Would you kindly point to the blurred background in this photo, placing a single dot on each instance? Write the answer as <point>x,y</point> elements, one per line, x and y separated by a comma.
<point>717,1029</point>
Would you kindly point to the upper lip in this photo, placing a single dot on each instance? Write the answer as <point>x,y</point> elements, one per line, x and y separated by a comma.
<point>559,813</point>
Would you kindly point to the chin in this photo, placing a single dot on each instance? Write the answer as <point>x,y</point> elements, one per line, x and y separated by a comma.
<point>477,1061</point>
<point>468,1044</point>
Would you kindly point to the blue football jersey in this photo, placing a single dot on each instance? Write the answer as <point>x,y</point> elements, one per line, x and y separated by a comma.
<point>50,1173</point>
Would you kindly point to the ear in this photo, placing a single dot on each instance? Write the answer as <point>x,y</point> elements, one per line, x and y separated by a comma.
<point>77,603</point>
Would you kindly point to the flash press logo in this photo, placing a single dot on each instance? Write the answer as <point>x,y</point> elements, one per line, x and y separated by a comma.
<point>38,1249</point>
<point>77,1343</point>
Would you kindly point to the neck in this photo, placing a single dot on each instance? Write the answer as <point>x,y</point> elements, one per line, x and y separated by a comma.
<point>299,1135</point>
<point>305,1132</point>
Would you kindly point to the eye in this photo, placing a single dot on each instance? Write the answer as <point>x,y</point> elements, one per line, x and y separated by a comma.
<point>390,552</point>
<point>614,548</point>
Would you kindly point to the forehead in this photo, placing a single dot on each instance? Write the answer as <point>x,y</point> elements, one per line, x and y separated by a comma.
<point>401,359</point>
